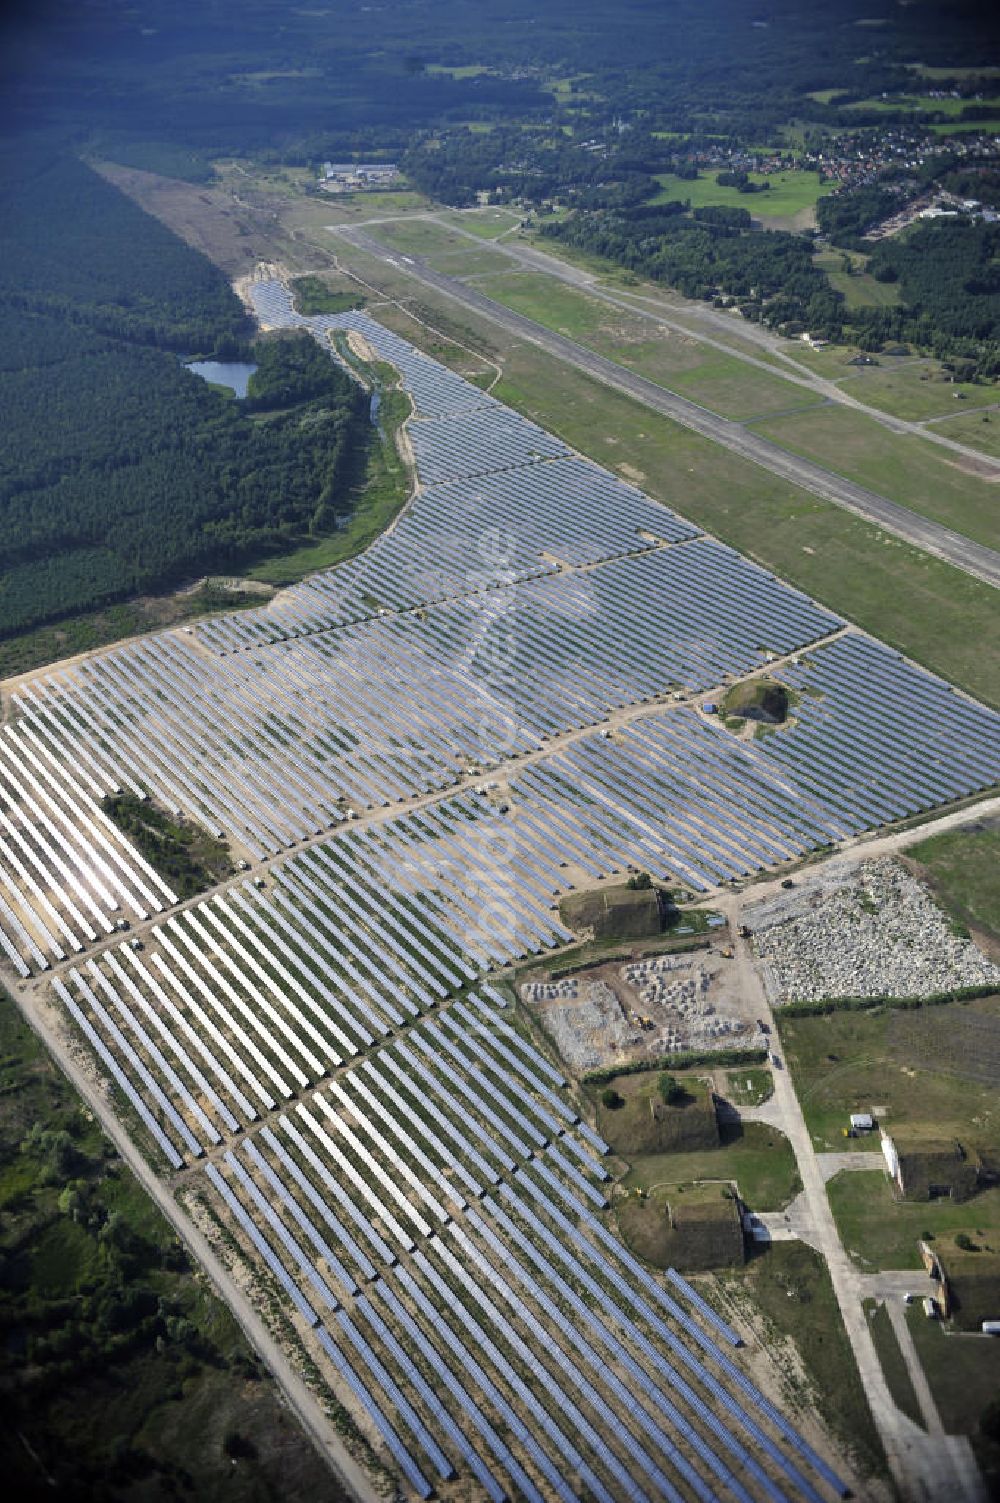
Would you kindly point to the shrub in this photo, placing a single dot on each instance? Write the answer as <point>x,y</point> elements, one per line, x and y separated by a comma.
<point>236,1446</point>
<point>682,1060</point>
<point>670,1091</point>
<point>611,1099</point>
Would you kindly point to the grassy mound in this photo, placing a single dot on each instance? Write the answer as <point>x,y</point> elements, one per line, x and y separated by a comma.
<point>691,1227</point>
<point>758,699</point>
<point>617,912</point>
<point>644,1123</point>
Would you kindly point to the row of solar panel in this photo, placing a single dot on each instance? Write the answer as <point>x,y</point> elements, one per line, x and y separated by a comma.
<point>519,1311</point>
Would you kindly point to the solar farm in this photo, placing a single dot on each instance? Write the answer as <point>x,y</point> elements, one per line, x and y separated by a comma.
<point>412,756</point>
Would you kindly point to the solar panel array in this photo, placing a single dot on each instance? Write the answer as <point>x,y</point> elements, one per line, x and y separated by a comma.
<point>487,510</point>
<point>429,1210</point>
<point>318,1047</point>
<point>876,741</point>
<point>68,876</point>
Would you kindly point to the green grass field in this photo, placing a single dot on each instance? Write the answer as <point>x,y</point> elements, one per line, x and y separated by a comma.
<point>488,223</point>
<point>963,868</point>
<point>789,1288</point>
<point>750,1087</point>
<point>788,195</point>
<point>967,127</point>
<point>895,465</point>
<point>847,1062</point>
<point>681,363</point>
<point>759,1159</point>
<point>923,104</point>
<point>880,1232</point>
<point>916,390</point>
<point>963,1375</point>
<point>445,249</point>
<point>858,289</point>
<point>979,429</point>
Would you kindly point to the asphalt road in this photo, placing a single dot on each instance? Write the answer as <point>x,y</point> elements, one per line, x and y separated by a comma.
<point>973,558</point>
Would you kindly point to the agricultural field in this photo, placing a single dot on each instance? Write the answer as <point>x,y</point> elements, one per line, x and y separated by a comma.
<point>967,127</point>
<point>901,467</point>
<point>788,195</point>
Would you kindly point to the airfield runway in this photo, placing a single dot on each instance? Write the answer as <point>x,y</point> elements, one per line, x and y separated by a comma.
<point>971,557</point>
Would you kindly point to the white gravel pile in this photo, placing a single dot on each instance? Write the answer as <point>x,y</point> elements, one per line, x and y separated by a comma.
<point>675,988</point>
<point>878,935</point>
<point>589,1028</point>
<point>547,991</point>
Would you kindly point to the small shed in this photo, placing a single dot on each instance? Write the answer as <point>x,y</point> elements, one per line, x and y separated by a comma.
<point>862,1121</point>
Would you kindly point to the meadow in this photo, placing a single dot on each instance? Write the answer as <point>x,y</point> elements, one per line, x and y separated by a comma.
<point>906,469</point>
<point>723,383</point>
<point>857,287</point>
<point>963,869</point>
<point>881,1232</point>
<point>786,1291</point>
<point>788,194</point>
<point>849,1062</point>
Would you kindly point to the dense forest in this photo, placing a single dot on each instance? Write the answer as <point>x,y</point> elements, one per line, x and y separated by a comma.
<point>710,253</point>
<point>122,471</point>
<point>147,77</point>
<point>949,281</point>
<point>74,247</point>
<point>947,273</point>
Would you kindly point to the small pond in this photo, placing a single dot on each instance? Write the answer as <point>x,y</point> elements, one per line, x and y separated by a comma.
<point>232,373</point>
